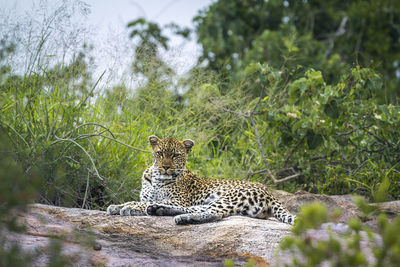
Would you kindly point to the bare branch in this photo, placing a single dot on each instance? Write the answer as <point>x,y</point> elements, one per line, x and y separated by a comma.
<point>355,129</point>
<point>340,31</point>
<point>258,172</point>
<point>276,181</point>
<point>234,112</point>
<point>249,116</point>
<point>260,148</point>
<point>379,140</point>
<point>287,178</point>
<point>291,153</point>
<point>324,156</point>
<point>84,136</point>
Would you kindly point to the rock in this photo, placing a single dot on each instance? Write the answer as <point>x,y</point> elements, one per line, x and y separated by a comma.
<point>344,203</point>
<point>149,240</point>
<point>391,207</point>
<point>157,241</point>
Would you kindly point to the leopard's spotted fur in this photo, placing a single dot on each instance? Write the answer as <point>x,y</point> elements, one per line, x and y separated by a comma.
<point>170,188</point>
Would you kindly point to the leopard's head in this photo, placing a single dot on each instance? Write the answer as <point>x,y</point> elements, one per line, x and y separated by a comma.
<point>170,154</point>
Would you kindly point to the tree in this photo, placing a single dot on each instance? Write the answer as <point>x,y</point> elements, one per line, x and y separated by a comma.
<point>147,61</point>
<point>328,36</point>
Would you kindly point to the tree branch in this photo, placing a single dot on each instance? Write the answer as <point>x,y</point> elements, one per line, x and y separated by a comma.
<point>340,31</point>
<point>249,116</point>
<point>291,153</point>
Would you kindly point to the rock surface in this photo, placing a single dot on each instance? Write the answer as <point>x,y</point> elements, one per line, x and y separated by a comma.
<point>150,241</point>
<point>157,241</point>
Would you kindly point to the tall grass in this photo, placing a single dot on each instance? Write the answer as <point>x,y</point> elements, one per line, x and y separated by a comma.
<point>92,150</point>
<point>88,139</point>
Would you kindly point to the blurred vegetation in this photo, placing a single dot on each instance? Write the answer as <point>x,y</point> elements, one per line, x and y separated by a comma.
<point>17,189</point>
<point>346,249</point>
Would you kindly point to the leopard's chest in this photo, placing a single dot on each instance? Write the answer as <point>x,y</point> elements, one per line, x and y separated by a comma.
<point>161,189</point>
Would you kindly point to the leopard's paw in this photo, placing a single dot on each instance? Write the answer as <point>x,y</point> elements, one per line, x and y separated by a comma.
<point>130,211</point>
<point>183,219</point>
<point>113,210</point>
<point>156,210</point>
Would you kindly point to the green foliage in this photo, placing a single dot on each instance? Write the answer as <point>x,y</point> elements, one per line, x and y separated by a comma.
<point>15,192</point>
<point>17,189</point>
<point>344,249</point>
<point>336,132</point>
<point>330,37</point>
<point>310,217</point>
<point>340,129</point>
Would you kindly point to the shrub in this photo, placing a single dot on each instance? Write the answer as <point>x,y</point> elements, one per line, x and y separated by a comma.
<point>347,249</point>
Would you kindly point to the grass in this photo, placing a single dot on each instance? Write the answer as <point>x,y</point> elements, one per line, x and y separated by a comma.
<point>91,150</point>
<point>88,139</point>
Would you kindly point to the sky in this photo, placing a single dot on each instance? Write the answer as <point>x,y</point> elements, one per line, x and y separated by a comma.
<point>107,22</point>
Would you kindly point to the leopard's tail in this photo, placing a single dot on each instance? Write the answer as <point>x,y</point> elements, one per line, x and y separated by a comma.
<point>281,213</point>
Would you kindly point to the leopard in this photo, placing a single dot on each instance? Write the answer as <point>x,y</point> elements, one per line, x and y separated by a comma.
<point>169,188</point>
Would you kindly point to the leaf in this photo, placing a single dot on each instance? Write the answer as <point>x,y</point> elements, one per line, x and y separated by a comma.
<point>296,89</point>
<point>252,68</point>
<point>314,140</point>
<point>141,21</point>
<point>331,109</point>
<point>286,138</point>
<point>297,125</point>
<point>381,194</point>
<point>374,84</point>
<point>249,134</point>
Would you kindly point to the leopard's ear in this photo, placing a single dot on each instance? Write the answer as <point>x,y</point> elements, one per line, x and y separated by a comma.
<point>153,140</point>
<point>188,144</point>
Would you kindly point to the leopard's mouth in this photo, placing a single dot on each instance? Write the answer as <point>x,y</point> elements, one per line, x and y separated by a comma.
<point>168,171</point>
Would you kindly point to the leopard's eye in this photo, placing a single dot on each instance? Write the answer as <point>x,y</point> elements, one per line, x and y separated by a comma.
<point>177,155</point>
<point>159,153</point>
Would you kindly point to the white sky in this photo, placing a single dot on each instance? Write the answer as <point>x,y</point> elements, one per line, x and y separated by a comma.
<point>108,19</point>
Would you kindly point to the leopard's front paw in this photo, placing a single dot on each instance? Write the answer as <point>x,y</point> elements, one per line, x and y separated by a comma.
<point>130,211</point>
<point>156,210</point>
<point>183,219</point>
<point>113,210</point>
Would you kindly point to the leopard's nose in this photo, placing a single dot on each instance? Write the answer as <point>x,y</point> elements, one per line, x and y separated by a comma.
<point>166,168</point>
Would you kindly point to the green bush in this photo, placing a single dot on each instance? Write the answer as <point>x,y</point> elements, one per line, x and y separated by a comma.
<point>344,249</point>
<point>335,136</point>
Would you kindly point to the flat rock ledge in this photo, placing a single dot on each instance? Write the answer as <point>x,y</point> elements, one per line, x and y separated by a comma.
<point>149,240</point>
<point>157,241</point>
